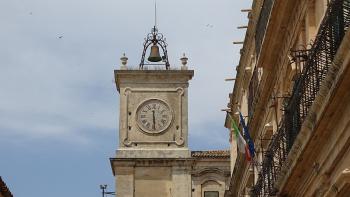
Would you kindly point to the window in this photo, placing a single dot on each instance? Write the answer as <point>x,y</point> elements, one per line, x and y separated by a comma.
<point>211,194</point>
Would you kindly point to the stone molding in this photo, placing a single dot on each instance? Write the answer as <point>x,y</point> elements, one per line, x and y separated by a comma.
<point>117,163</point>
<point>207,170</point>
<point>158,76</point>
<point>342,183</point>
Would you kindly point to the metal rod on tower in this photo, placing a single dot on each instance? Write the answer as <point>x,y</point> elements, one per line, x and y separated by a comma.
<point>242,27</point>
<point>155,13</point>
<point>238,42</point>
<point>246,10</point>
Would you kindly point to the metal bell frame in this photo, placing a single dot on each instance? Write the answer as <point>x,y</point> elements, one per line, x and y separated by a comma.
<point>158,39</point>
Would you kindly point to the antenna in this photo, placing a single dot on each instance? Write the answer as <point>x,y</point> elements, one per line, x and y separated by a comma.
<point>155,13</point>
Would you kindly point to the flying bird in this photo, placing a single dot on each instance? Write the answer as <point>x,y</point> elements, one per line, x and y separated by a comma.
<point>210,25</point>
<point>60,37</point>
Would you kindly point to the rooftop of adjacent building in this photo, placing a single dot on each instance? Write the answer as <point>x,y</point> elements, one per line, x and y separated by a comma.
<point>211,154</point>
<point>4,190</point>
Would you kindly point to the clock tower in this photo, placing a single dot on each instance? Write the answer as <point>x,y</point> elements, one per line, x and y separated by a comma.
<point>153,158</point>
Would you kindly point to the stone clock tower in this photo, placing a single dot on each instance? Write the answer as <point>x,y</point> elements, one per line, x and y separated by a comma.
<point>153,113</point>
<point>153,159</point>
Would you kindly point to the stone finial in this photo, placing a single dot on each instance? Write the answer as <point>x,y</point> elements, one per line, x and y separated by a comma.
<point>184,62</point>
<point>124,61</point>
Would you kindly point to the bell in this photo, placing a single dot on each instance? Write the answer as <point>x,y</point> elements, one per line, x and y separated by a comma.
<point>154,56</point>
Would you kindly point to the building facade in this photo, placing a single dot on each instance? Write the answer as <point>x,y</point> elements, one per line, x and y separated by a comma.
<point>153,158</point>
<point>292,84</point>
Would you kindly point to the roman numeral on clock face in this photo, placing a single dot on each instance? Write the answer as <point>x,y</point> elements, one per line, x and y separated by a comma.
<point>163,121</point>
<point>154,116</point>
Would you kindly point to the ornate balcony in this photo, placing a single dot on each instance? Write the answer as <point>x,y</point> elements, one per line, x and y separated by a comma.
<point>319,59</point>
<point>321,55</point>
<point>272,163</point>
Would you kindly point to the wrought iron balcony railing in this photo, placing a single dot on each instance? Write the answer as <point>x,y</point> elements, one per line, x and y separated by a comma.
<point>273,160</point>
<point>319,58</point>
<point>321,55</point>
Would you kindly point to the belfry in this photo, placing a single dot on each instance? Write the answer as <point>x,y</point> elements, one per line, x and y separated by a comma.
<point>153,158</point>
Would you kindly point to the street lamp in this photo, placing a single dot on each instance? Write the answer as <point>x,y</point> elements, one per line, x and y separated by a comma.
<point>103,188</point>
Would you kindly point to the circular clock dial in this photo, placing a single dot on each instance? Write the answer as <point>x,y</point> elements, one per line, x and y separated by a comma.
<point>154,116</point>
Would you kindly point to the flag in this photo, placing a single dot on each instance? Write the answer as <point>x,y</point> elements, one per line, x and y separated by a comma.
<point>241,144</point>
<point>247,135</point>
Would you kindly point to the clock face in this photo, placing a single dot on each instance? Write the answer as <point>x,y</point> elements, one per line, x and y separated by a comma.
<point>154,116</point>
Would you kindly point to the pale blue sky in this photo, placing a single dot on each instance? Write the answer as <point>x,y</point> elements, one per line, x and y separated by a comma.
<point>58,103</point>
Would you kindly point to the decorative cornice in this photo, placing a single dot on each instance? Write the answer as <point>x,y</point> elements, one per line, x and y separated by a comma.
<point>211,154</point>
<point>155,162</point>
<point>208,170</point>
<point>157,76</point>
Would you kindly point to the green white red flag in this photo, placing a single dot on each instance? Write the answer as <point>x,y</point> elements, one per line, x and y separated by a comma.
<point>241,143</point>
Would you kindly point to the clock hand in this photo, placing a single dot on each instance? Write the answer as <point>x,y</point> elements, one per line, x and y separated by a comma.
<point>154,120</point>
